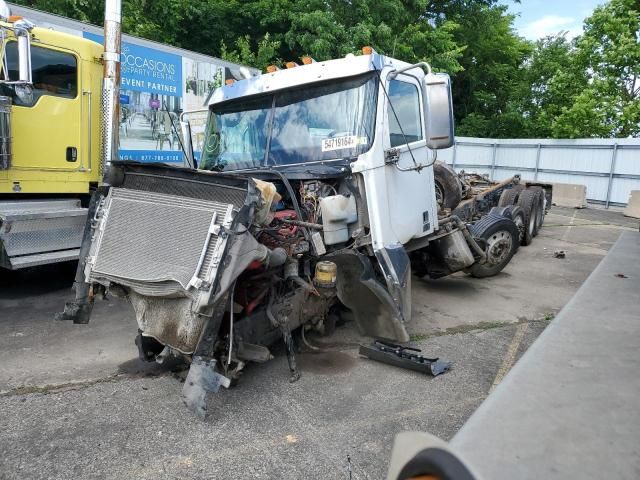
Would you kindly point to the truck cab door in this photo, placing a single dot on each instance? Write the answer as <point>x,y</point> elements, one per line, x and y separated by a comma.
<point>47,124</point>
<point>401,200</point>
<point>410,192</point>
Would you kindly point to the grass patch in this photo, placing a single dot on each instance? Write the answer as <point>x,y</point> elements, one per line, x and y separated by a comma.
<point>46,389</point>
<point>418,337</point>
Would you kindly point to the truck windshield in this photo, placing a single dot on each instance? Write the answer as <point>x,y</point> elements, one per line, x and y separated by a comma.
<point>316,123</point>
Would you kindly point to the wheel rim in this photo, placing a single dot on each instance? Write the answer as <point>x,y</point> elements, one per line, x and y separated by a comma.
<point>540,214</point>
<point>533,218</point>
<point>498,247</point>
<point>439,194</point>
<point>519,221</point>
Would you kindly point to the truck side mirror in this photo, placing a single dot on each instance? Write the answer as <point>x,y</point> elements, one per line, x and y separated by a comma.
<point>438,107</point>
<point>24,57</point>
<point>22,29</point>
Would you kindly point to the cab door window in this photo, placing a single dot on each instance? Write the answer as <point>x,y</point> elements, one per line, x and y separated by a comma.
<point>405,100</point>
<point>55,73</point>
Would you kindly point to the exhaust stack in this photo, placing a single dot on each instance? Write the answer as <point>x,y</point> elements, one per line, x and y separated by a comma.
<point>111,84</point>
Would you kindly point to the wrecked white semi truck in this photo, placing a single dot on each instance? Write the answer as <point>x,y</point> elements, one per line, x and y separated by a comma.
<point>315,195</point>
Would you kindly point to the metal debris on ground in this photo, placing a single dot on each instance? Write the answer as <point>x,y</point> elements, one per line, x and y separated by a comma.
<point>560,254</point>
<point>620,275</point>
<point>404,357</point>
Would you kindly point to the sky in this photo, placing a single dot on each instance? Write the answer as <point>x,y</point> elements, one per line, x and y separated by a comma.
<point>539,18</point>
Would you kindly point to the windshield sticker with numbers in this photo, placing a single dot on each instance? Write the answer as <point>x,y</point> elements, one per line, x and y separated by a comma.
<point>339,143</point>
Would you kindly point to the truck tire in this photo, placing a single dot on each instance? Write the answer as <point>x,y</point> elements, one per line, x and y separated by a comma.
<point>448,188</point>
<point>541,208</point>
<point>517,215</point>
<point>529,202</point>
<point>509,196</point>
<point>498,236</point>
<point>512,212</point>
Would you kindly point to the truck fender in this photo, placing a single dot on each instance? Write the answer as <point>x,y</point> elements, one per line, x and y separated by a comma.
<point>375,311</point>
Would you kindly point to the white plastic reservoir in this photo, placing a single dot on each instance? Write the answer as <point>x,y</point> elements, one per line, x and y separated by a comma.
<point>338,211</point>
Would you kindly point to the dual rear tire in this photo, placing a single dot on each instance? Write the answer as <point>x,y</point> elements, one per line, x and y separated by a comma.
<point>531,203</point>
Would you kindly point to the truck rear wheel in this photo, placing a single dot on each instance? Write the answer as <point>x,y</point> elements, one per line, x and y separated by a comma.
<point>517,215</point>
<point>509,196</point>
<point>541,208</point>
<point>498,236</point>
<point>529,202</point>
<point>448,188</point>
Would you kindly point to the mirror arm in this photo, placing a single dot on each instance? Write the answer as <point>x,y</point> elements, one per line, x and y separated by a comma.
<point>423,65</point>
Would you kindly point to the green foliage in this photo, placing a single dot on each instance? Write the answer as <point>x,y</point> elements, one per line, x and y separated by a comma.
<point>503,85</point>
<point>491,62</point>
<point>84,10</point>
<point>550,81</point>
<point>607,55</point>
<point>264,55</point>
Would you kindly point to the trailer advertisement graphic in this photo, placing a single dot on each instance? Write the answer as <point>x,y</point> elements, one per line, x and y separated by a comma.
<point>148,70</point>
<point>156,87</point>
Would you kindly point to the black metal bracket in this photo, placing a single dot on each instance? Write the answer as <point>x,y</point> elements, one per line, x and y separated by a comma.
<point>404,357</point>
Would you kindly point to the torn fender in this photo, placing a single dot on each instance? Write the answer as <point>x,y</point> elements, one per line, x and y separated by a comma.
<point>375,311</point>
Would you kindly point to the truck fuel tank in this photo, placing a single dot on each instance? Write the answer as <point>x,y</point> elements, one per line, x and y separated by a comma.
<point>455,251</point>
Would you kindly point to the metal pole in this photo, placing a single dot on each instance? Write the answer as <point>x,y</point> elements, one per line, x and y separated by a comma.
<point>535,175</point>
<point>453,161</point>
<point>612,169</point>
<point>111,83</point>
<point>493,160</point>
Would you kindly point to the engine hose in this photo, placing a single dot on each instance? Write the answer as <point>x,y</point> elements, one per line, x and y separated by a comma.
<point>290,191</point>
<point>313,226</point>
<point>308,345</point>
<point>307,286</point>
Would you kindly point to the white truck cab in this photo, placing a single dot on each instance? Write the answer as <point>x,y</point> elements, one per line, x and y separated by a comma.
<point>314,198</point>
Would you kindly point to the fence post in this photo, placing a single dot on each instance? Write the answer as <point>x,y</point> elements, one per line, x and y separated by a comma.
<point>493,159</point>
<point>535,175</point>
<point>611,170</point>
<point>453,161</point>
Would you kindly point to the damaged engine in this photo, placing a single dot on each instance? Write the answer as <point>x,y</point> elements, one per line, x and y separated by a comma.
<point>219,267</point>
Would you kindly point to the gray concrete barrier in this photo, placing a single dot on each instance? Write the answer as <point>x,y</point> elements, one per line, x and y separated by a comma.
<point>633,206</point>
<point>569,195</point>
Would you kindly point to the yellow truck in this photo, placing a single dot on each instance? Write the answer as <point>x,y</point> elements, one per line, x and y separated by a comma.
<point>50,108</point>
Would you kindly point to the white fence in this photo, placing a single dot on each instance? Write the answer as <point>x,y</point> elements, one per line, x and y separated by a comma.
<point>610,168</point>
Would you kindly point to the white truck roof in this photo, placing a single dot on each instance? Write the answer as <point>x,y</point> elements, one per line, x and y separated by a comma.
<point>348,66</point>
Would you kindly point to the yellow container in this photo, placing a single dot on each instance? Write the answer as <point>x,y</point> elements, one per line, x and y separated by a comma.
<point>326,273</point>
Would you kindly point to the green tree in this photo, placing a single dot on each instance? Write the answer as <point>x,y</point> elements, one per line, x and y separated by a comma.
<point>485,91</point>
<point>84,10</point>
<point>549,83</point>
<point>608,56</point>
<point>265,53</point>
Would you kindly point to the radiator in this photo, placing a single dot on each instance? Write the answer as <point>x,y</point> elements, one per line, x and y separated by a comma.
<point>157,244</point>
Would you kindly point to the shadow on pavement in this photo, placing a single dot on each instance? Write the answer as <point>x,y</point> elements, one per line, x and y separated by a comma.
<point>36,280</point>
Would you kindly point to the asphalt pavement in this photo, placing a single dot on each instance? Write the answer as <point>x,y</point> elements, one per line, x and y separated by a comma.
<point>75,402</point>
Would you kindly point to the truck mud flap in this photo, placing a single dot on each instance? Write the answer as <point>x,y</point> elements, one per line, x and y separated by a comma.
<point>374,309</point>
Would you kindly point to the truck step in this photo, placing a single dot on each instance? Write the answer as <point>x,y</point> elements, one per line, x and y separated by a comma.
<point>12,211</point>
<point>30,228</point>
<point>44,258</point>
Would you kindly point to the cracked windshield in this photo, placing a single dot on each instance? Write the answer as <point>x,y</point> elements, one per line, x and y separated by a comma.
<point>317,123</point>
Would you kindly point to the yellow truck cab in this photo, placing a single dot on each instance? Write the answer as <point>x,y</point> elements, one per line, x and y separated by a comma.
<point>50,107</point>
